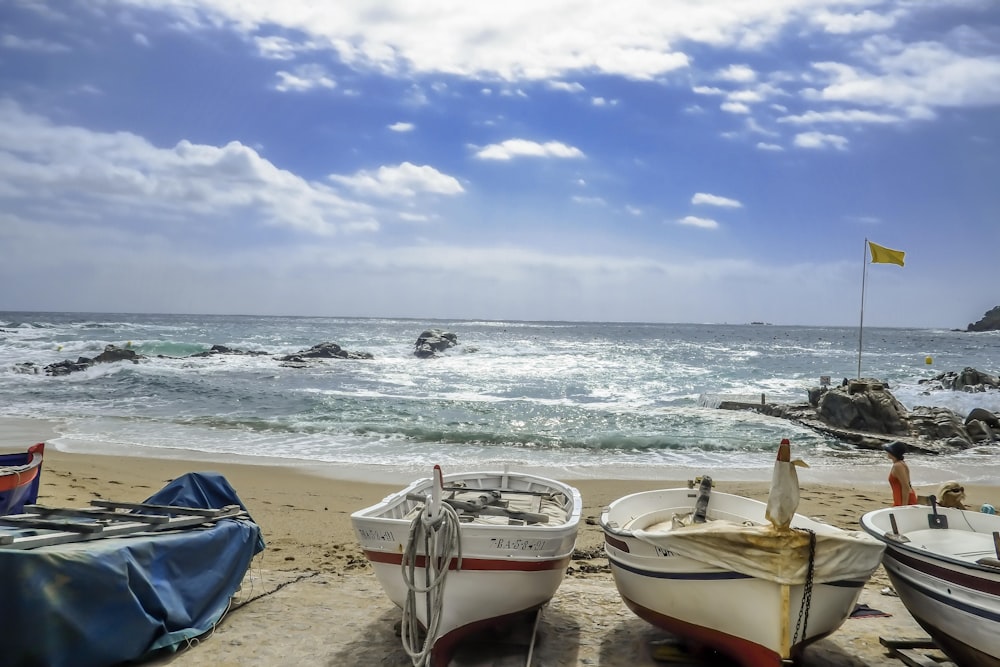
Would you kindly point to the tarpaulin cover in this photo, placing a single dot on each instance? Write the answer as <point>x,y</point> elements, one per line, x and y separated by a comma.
<point>110,600</point>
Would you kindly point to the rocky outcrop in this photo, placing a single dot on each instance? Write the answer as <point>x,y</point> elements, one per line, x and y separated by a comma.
<point>325,351</point>
<point>989,322</point>
<point>433,341</point>
<point>970,380</point>
<point>864,413</point>
<point>110,354</point>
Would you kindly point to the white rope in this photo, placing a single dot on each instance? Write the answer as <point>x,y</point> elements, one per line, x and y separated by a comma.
<point>440,536</point>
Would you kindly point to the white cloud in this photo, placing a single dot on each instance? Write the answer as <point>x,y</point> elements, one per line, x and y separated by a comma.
<point>865,21</point>
<point>922,75</point>
<point>735,107</point>
<point>119,177</point>
<point>701,223</point>
<point>566,86</point>
<point>764,146</point>
<point>633,210</point>
<point>404,180</point>
<point>708,90</point>
<point>512,148</point>
<point>303,78</point>
<point>715,200</point>
<point>840,116</point>
<point>737,74</point>
<point>140,39</point>
<point>401,127</point>
<point>820,140</point>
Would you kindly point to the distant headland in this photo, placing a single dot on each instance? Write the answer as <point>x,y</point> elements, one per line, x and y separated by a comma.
<point>989,322</point>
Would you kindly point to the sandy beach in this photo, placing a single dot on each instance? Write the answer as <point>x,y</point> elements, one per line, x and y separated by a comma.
<point>311,599</point>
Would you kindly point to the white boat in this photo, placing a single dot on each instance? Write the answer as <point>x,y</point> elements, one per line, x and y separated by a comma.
<point>462,552</point>
<point>752,580</point>
<point>945,565</point>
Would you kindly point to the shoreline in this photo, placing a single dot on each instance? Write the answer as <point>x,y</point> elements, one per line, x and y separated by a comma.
<point>314,590</point>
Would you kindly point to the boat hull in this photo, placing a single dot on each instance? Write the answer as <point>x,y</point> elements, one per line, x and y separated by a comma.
<point>504,572</point>
<point>938,579</point>
<point>756,620</point>
<point>751,620</point>
<point>20,475</point>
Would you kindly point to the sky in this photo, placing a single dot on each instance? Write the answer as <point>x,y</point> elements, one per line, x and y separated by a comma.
<point>717,161</point>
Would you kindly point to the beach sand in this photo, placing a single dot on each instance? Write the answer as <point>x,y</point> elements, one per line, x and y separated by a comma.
<point>311,598</point>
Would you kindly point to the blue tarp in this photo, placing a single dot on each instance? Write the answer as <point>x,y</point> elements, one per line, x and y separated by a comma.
<point>111,600</point>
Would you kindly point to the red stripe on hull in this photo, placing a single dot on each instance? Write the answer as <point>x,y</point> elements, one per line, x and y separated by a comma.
<point>988,586</point>
<point>17,480</point>
<point>744,652</point>
<point>481,564</point>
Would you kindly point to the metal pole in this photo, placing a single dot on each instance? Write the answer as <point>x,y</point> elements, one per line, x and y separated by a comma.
<point>861,326</point>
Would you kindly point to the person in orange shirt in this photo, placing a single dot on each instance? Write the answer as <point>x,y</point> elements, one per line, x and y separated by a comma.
<point>899,475</point>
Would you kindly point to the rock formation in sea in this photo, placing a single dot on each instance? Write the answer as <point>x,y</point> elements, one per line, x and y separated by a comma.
<point>432,341</point>
<point>864,413</point>
<point>989,322</point>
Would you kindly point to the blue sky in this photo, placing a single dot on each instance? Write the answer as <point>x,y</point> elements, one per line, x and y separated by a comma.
<point>661,160</point>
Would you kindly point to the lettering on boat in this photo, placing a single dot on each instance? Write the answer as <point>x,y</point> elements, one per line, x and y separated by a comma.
<point>376,535</point>
<point>665,553</point>
<point>518,544</point>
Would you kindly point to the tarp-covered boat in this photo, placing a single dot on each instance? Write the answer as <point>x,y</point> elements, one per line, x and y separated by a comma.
<point>72,597</point>
<point>20,475</point>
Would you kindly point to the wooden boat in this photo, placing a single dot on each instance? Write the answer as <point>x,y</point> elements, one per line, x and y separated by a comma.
<point>751,580</point>
<point>945,565</point>
<point>20,474</point>
<point>501,540</point>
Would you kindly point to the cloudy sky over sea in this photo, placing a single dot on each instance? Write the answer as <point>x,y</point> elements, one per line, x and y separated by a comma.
<point>660,160</point>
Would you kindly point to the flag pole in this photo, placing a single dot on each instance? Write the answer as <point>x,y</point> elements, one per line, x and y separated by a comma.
<point>861,326</point>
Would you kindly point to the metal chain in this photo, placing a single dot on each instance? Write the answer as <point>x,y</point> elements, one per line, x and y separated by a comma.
<point>807,590</point>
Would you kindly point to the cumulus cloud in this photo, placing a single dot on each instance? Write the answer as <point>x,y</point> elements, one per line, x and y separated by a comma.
<point>402,127</point>
<point>715,200</point>
<point>820,140</point>
<point>120,176</point>
<point>303,78</point>
<point>512,148</point>
<point>701,223</point>
<point>840,116</point>
<point>403,180</point>
<point>765,146</point>
<point>737,73</point>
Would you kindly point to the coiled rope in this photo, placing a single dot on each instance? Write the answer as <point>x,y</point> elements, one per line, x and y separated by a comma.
<point>440,537</point>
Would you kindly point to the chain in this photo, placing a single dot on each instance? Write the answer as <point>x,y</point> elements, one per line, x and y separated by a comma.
<point>807,590</point>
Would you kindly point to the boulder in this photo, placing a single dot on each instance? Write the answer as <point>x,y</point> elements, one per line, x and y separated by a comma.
<point>432,341</point>
<point>325,351</point>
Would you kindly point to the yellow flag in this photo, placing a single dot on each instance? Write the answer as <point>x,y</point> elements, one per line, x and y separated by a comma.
<point>881,255</point>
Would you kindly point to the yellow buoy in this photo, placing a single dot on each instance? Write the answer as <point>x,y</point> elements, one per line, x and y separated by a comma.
<point>928,361</point>
<point>129,344</point>
<point>59,348</point>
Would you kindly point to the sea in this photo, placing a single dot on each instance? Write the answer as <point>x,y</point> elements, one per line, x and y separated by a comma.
<point>574,400</point>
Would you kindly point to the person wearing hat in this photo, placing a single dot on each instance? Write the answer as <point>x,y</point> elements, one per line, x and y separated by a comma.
<point>899,475</point>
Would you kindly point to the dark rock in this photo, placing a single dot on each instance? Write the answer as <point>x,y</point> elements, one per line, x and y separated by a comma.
<point>969,380</point>
<point>114,353</point>
<point>222,349</point>
<point>989,322</point>
<point>869,408</point>
<point>980,414</point>
<point>432,341</point>
<point>325,351</point>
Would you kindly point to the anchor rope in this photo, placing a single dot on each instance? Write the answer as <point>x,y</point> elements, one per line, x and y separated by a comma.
<point>440,537</point>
